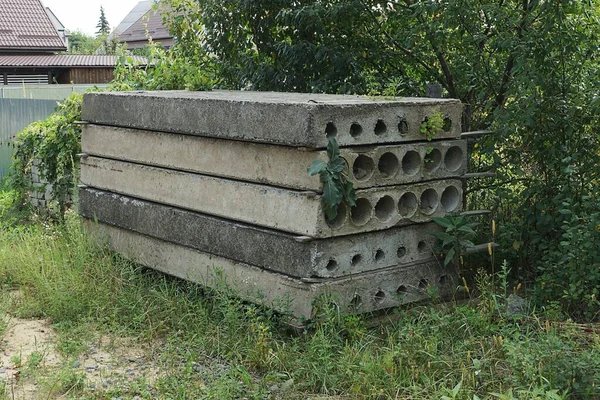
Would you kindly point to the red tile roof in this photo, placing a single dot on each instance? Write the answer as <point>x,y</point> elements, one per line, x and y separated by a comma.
<point>24,25</point>
<point>62,60</point>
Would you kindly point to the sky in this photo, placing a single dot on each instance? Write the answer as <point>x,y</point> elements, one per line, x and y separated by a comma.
<point>83,15</point>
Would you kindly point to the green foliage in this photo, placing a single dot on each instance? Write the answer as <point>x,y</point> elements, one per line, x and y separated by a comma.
<point>421,353</point>
<point>102,26</point>
<point>432,125</point>
<point>522,68</point>
<point>80,43</point>
<point>457,236</point>
<point>50,146</point>
<point>277,45</point>
<point>165,70</point>
<point>548,154</point>
<point>569,272</point>
<point>336,187</point>
<point>108,45</point>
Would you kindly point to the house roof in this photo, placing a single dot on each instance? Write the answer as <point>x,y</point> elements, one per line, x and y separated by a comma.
<point>151,22</point>
<point>136,13</point>
<point>55,21</point>
<point>62,60</point>
<point>24,25</point>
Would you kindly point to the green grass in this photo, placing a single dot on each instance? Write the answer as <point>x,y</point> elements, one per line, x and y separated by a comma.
<point>457,352</point>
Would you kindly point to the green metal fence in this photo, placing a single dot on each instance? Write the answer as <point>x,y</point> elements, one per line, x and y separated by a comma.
<point>21,105</point>
<point>39,92</point>
<point>16,114</point>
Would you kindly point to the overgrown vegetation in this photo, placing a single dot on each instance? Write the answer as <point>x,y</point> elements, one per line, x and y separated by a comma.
<point>524,69</point>
<point>423,352</point>
<point>48,148</point>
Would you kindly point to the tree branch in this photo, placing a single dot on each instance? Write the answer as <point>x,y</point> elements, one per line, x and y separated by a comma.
<point>404,50</point>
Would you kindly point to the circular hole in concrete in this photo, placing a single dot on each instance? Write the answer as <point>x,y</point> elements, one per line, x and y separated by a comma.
<point>447,124</point>
<point>401,251</point>
<point>407,205</point>
<point>332,265</point>
<point>356,259</point>
<point>363,167</point>
<point>379,255</point>
<point>401,290</point>
<point>453,158</point>
<point>422,246</point>
<point>432,160</point>
<point>429,201</point>
<point>339,219</point>
<point>403,127</point>
<point>411,162</point>
<point>356,130</point>
<point>379,296</point>
<point>380,127</point>
<point>384,208</point>
<point>423,283</point>
<point>330,130</point>
<point>362,212</point>
<point>450,198</point>
<point>388,165</point>
<point>356,301</point>
<point>443,280</point>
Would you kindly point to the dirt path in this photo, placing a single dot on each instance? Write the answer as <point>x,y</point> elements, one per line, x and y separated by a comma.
<point>22,339</point>
<point>31,367</point>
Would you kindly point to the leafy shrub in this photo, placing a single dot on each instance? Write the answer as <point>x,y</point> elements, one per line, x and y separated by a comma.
<point>51,146</point>
<point>165,70</point>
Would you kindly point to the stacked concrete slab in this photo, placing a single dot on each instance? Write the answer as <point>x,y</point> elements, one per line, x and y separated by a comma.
<point>213,187</point>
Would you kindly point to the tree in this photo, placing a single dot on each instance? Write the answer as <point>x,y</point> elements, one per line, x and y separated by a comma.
<point>80,43</point>
<point>524,68</point>
<point>103,26</point>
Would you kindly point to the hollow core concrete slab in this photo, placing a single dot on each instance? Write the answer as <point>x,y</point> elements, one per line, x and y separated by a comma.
<point>282,166</point>
<point>282,209</point>
<point>291,119</point>
<point>274,250</point>
<point>360,293</point>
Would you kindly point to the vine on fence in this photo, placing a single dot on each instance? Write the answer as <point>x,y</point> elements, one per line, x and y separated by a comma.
<point>51,146</point>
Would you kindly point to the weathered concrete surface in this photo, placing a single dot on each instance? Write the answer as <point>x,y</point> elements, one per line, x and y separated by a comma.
<point>292,119</point>
<point>253,162</point>
<point>265,248</point>
<point>281,209</point>
<point>359,293</point>
<point>276,165</point>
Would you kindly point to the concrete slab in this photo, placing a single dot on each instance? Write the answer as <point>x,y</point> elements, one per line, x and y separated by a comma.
<point>356,294</point>
<point>292,119</point>
<point>265,248</point>
<point>281,209</point>
<point>280,166</point>
<point>406,163</point>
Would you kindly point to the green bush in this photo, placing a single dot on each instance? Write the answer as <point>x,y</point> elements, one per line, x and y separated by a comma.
<point>52,145</point>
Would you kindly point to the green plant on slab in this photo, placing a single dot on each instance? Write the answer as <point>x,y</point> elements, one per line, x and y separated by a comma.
<point>336,187</point>
<point>432,125</point>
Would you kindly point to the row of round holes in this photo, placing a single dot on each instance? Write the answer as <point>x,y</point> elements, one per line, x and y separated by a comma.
<point>388,165</point>
<point>380,129</point>
<point>385,207</point>
<point>401,291</point>
<point>379,256</point>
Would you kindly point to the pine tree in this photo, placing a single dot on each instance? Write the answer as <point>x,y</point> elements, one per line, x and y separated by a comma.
<point>103,26</point>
